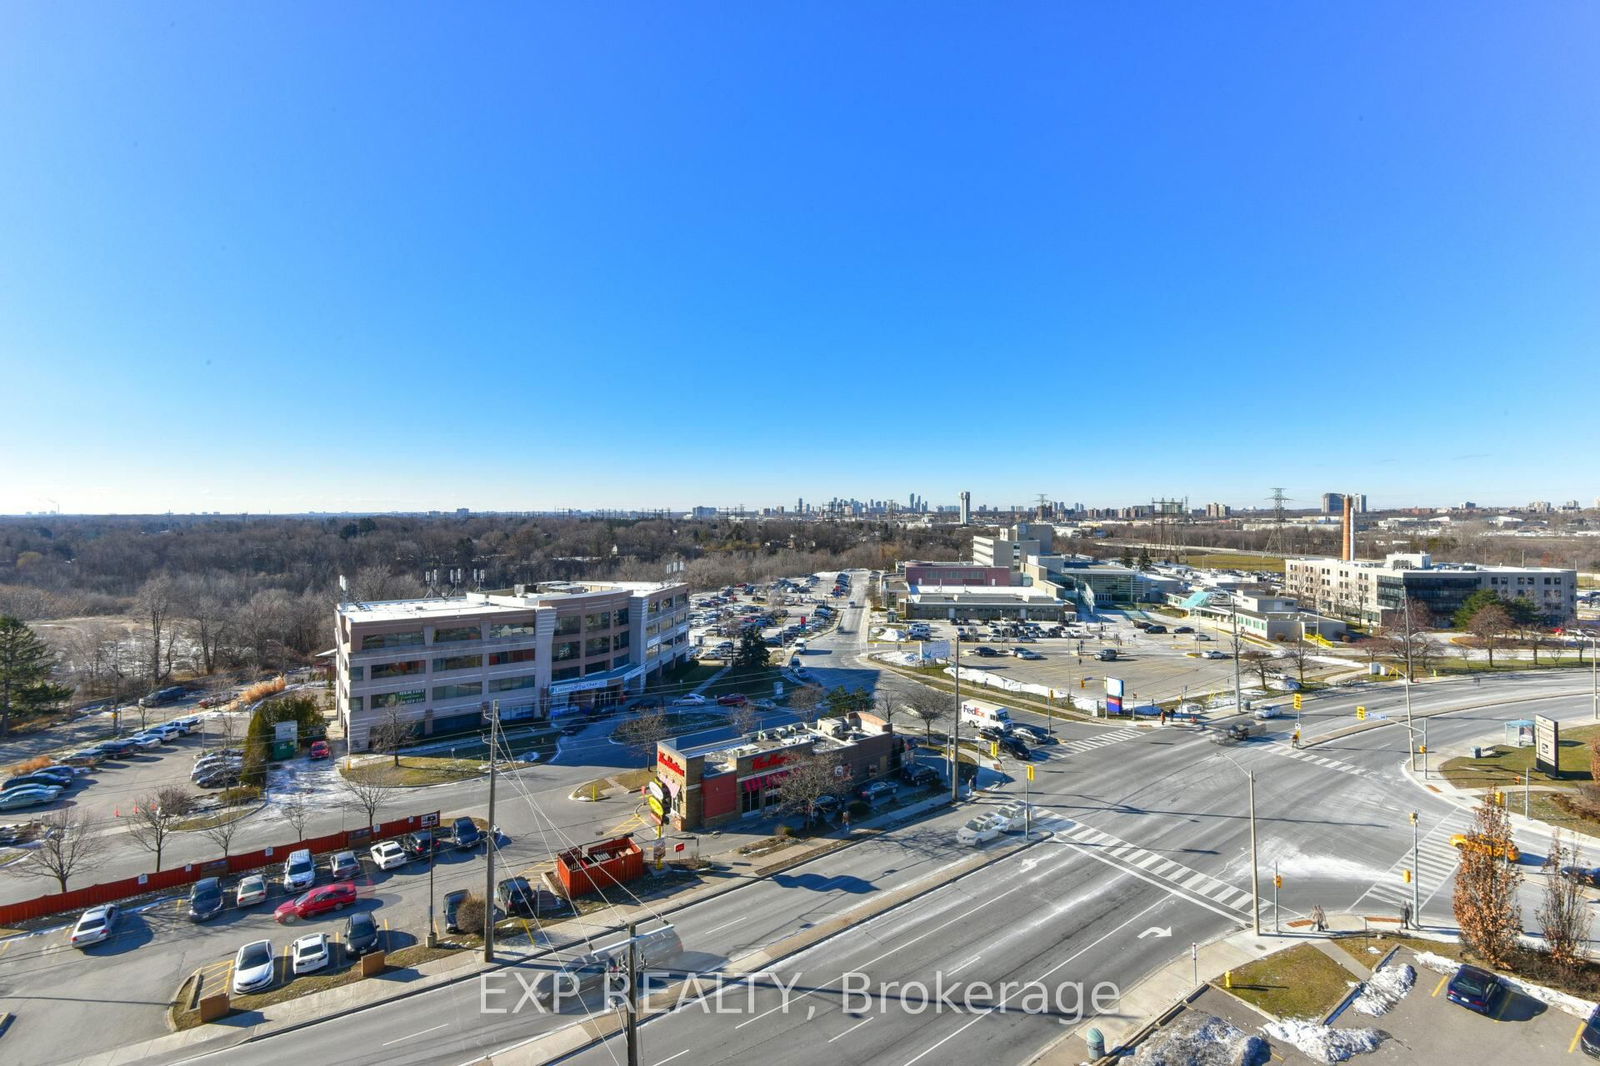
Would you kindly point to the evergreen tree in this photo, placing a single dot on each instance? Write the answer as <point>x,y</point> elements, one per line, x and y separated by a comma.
<point>752,652</point>
<point>26,664</point>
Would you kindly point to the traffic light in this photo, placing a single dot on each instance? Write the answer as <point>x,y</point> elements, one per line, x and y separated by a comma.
<point>1299,701</point>
<point>1361,714</point>
<point>994,749</point>
<point>1030,771</point>
<point>1408,876</point>
<point>1413,817</point>
<point>1277,881</point>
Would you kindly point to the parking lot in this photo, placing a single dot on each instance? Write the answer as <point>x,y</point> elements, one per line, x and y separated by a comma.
<point>1159,667</point>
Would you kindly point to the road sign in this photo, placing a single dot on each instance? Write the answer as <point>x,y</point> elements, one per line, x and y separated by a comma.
<point>657,809</point>
<point>1361,714</point>
<point>429,821</point>
<point>1546,743</point>
<point>1299,701</point>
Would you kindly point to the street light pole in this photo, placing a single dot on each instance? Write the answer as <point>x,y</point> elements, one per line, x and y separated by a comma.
<point>1238,688</point>
<point>1416,872</point>
<point>1411,729</point>
<point>955,729</point>
<point>1255,863</point>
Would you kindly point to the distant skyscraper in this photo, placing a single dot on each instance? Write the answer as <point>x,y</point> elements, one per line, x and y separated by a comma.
<point>966,508</point>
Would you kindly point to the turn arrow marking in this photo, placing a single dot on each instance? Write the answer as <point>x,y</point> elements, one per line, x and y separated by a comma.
<point>1157,931</point>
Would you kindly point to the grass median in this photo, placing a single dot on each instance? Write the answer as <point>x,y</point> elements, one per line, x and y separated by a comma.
<point>1302,982</point>
<point>1502,766</point>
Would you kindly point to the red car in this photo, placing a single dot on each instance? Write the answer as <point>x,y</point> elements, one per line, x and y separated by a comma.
<point>735,699</point>
<point>317,901</point>
<point>319,749</point>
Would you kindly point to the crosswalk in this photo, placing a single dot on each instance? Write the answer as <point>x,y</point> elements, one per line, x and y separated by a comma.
<point>1436,864</point>
<point>1099,740</point>
<point>1149,863</point>
<point>1301,754</point>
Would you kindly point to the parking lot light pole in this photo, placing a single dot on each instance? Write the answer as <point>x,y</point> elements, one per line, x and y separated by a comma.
<point>955,730</point>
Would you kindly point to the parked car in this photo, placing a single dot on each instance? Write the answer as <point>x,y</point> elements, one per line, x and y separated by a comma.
<point>978,830</point>
<point>205,899</point>
<point>224,778</point>
<point>519,899</point>
<point>299,872</point>
<point>878,790</point>
<point>919,775</point>
<point>452,909</point>
<point>1474,989</point>
<point>117,746</point>
<point>1589,1039</point>
<point>360,934</point>
<point>33,781</point>
<point>64,775</point>
<point>387,855</point>
<point>317,902</point>
<point>88,757</point>
<point>188,723</point>
<point>466,834</point>
<point>309,953</point>
<point>251,890</point>
<point>1507,852</point>
<point>421,844</point>
<point>19,798</point>
<point>95,925</point>
<point>320,750</point>
<point>344,865</point>
<point>254,967</point>
<point>1183,629</point>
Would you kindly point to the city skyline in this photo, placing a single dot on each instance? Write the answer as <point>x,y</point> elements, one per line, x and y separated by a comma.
<point>656,261</point>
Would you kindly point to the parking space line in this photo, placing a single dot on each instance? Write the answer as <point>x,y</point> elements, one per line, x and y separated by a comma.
<point>1577,1037</point>
<point>1505,1001</point>
<point>1440,986</point>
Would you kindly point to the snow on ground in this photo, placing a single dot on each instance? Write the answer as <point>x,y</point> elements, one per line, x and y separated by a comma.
<point>1573,1005</point>
<point>1386,988</point>
<point>1322,1043</point>
<point>318,782</point>
<point>1302,865</point>
<point>1201,1040</point>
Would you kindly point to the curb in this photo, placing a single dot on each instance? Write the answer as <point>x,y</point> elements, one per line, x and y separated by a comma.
<point>1366,726</point>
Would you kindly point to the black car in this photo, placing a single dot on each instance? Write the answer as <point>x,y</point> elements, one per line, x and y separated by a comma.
<point>466,833</point>
<point>117,747</point>
<point>1155,629</point>
<point>421,844</point>
<point>1589,1039</point>
<point>205,899</point>
<point>452,909</point>
<point>219,779</point>
<point>1183,629</point>
<point>360,933</point>
<point>989,732</point>
<point>1015,746</point>
<point>1474,989</point>
<point>1584,875</point>
<point>519,899</point>
<point>919,774</point>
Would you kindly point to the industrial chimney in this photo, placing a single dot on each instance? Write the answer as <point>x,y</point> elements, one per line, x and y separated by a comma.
<point>1349,527</point>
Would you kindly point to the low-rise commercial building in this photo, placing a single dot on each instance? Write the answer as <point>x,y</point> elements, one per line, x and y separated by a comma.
<point>710,785</point>
<point>439,664</point>
<point>985,603</point>
<point>1373,592</point>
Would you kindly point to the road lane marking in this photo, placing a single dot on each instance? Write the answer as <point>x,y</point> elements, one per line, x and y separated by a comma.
<point>413,1036</point>
<point>963,964</point>
<point>850,1030</point>
<point>1440,986</point>
<point>725,925</point>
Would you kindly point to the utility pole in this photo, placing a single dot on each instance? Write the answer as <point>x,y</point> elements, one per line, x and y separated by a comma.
<point>955,730</point>
<point>1416,872</point>
<point>1411,729</point>
<point>488,852</point>
<point>633,995</point>
<point>1255,865</point>
<point>1238,687</point>
<point>433,860</point>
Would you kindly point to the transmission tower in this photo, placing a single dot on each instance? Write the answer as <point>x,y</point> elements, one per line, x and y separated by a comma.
<point>1043,510</point>
<point>1276,542</point>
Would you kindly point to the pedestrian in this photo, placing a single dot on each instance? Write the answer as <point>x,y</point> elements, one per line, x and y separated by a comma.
<point>1320,917</point>
<point>1405,915</point>
<point>846,820</point>
<point>1163,717</point>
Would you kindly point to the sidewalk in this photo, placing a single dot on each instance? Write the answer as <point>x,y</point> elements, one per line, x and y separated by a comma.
<point>465,965</point>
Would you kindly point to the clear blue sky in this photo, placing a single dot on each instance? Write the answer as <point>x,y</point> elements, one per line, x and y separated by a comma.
<point>344,256</point>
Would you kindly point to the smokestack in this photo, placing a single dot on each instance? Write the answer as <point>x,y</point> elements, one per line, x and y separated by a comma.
<point>1349,527</point>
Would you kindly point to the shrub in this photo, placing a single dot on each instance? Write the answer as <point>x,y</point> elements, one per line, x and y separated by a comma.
<point>472,915</point>
<point>239,794</point>
<point>860,808</point>
<point>786,831</point>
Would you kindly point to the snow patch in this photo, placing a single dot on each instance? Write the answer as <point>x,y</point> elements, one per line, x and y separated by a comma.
<point>1386,988</point>
<point>1322,1043</point>
<point>1202,1041</point>
<point>1437,963</point>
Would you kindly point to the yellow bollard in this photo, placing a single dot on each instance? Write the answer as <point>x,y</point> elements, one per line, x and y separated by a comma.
<point>1227,979</point>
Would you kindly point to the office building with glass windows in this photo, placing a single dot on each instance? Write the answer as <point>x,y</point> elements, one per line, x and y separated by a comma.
<point>439,664</point>
<point>1374,593</point>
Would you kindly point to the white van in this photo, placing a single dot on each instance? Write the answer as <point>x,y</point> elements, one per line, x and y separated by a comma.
<point>920,631</point>
<point>299,872</point>
<point>993,717</point>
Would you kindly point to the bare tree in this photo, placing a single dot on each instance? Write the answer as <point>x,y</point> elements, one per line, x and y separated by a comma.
<point>1564,914</point>
<point>297,813</point>
<point>1485,901</point>
<point>1489,625</point>
<point>1297,655</point>
<point>155,816</point>
<point>742,719</point>
<point>368,797</point>
<point>64,847</point>
<point>392,732</point>
<point>644,731</point>
<point>807,780</point>
<point>805,702</point>
<point>155,604</point>
<point>1257,659</point>
<point>927,706</point>
<point>222,833</point>
<point>208,602</point>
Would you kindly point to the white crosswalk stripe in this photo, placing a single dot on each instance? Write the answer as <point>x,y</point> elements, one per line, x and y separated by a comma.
<point>1156,865</point>
<point>1116,736</point>
<point>1436,864</point>
<point>1323,761</point>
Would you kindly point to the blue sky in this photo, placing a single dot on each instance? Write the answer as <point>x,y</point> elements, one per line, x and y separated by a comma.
<point>383,256</point>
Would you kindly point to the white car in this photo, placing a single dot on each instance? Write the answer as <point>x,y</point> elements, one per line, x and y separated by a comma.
<point>1012,817</point>
<point>1212,653</point>
<point>310,953</point>
<point>254,967</point>
<point>979,830</point>
<point>693,699</point>
<point>388,855</point>
<point>1271,710</point>
<point>251,890</point>
<point>94,925</point>
<point>148,740</point>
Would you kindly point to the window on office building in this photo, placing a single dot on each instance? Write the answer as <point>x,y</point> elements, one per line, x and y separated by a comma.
<point>451,634</point>
<point>521,655</point>
<point>355,703</point>
<point>623,639</point>
<point>457,662</point>
<point>358,673</point>
<point>409,639</point>
<point>455,692</point>
<point>621,616</point>
<point>596,646</point>
<point>565,673</point>
<point>596,668</point>
<point>568,625</point>
<point>599,620</point>
<point>395,699</point>
<point>509,684</point>
<point>410,666</point>
<point>567,649</point>
<point>501,630</point>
